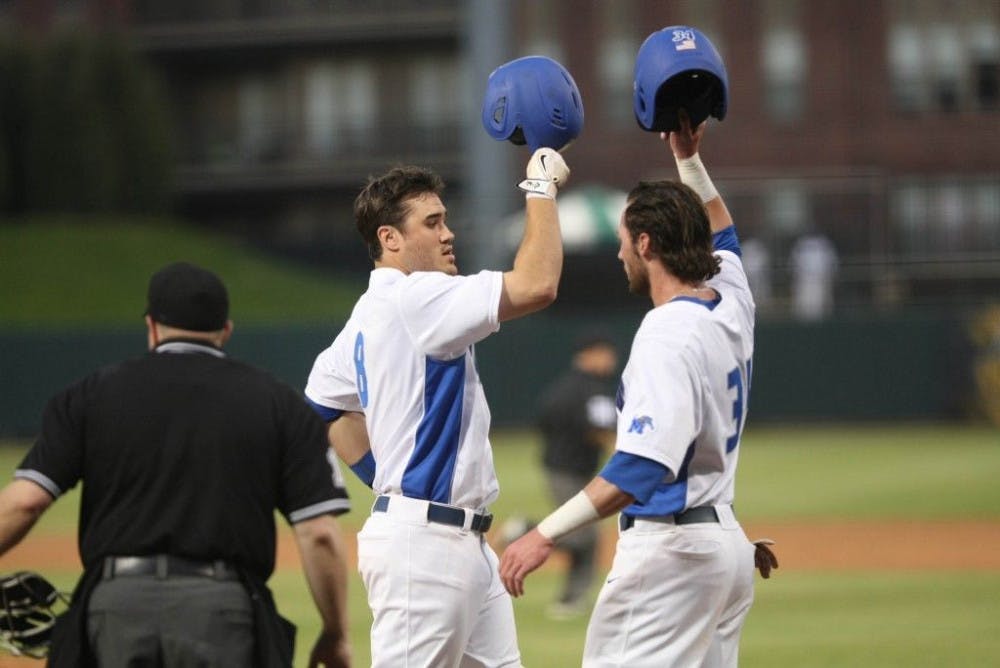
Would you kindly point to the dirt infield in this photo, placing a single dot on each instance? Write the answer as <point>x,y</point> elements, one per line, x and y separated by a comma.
<point>828,546</point>
<point>821,546</point>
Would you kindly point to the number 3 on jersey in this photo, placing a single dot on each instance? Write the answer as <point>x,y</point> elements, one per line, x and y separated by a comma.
<point>735,380</point>
<point>359,367</point>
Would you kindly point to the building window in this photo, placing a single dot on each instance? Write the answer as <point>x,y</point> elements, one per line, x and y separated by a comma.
<point>944,56</point>
<point>984,63</point>
<point>986,207</point>
<point>434,87</point>
<point>910,204</point>
<point>541,33</point>
<point>616,61</point>
<point>320,111</point>
<point>786,207</point>
<point>784,61</point>
<point>939,216</point>
<point>261,123</point>
<point>339,108</point>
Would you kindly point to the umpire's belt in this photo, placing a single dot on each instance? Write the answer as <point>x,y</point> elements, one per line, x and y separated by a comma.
<point>454,516</point>
<point>164,566</point>
<point>696,515</point>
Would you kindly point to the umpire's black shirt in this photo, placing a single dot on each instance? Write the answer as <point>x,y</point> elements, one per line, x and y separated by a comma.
<point>185,452</point>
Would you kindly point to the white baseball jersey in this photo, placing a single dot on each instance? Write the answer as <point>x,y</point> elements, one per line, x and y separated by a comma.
<point>405,359</point>
<point>683,395</point>
<point>678,594</point>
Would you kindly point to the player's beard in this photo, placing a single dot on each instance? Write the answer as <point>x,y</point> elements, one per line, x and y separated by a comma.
<point>638,277</point>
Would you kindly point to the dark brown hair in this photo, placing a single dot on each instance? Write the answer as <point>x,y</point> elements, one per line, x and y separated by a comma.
<point>678,227</point>
<point>383,201</point>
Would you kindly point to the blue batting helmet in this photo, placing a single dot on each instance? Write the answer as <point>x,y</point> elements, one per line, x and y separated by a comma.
<point>534,101</point>
<point>678,68</point>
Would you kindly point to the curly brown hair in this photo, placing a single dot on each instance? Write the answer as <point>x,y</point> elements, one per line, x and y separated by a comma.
<point>679,231</point>
<point>383,201</point>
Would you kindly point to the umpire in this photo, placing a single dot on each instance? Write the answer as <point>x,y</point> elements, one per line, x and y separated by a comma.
<point>184,456</point>
<point>577,419</point>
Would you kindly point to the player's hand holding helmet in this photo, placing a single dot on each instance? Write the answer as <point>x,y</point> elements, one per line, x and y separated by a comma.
<point>534,101</point>
<point>546,173</point>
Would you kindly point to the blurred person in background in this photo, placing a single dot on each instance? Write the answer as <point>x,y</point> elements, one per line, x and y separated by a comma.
<point>757,264</point>
<point>184,456</point>
<point>814,265</point>
<point>577,420</point>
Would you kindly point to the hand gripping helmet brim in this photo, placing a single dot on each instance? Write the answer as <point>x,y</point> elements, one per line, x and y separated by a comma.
<point>534,101</point>
<point>678,68</point>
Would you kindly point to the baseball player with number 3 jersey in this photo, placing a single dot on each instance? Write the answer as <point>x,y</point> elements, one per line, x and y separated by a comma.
<point>405,360</point>
<point>681,583</point>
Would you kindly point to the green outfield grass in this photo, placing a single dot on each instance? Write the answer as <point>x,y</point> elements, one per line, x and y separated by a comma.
<point>90,271</point>
<point>800,619</point>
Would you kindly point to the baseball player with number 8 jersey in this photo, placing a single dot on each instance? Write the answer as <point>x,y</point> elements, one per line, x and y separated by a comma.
<point>404,367</point>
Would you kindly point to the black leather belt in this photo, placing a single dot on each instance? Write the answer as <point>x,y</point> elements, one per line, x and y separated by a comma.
<point>697,515</point>
<point>455,517</point>
<point>164,566</point>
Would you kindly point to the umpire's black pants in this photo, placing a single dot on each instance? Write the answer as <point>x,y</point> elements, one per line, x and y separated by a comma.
<point>173,622</point>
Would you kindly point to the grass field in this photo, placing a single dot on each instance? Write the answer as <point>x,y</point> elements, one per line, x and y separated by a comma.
<point>801,617</point>
<point>93,271</point>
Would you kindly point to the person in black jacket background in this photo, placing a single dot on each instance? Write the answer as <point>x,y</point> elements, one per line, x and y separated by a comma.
<point>577,420</point>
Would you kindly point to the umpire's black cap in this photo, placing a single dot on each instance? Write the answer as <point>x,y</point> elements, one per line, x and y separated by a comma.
<point>186,296</point>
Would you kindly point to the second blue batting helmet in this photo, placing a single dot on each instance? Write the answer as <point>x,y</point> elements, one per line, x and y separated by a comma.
<point>678,68</point>
<point>534,101</point>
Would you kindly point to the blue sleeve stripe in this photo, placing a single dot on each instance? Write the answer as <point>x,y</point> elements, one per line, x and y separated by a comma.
<point>364,468</point>
<point>328,414</point>
<point>727,240</point>
<point>635,475</point>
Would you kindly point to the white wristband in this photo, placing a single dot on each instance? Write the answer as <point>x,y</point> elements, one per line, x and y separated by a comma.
<point>693,175</point>
<point>570,516</point>
<point>538,188</point>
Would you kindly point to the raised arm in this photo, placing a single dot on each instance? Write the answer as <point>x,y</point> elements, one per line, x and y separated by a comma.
<point>533,282</point>
<point>684,144</point>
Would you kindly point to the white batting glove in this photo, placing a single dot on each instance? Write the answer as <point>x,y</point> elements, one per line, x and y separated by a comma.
<point>546,172</point>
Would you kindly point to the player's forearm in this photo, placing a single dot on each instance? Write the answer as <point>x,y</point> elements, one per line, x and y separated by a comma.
<point>597,500</point>
<point>694,175</point>
<point>348,436</point>
<point>21,504</point>
<point>533,282</point>
<point>322,551</point>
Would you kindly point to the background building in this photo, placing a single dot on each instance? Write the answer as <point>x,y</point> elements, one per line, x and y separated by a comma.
<point>871,127</point>
<point>875,124</point>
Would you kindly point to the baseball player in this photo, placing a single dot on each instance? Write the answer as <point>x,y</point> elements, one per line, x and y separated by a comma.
<point>681,583</point>
<point>404,366</point>
<point>405,360</point>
